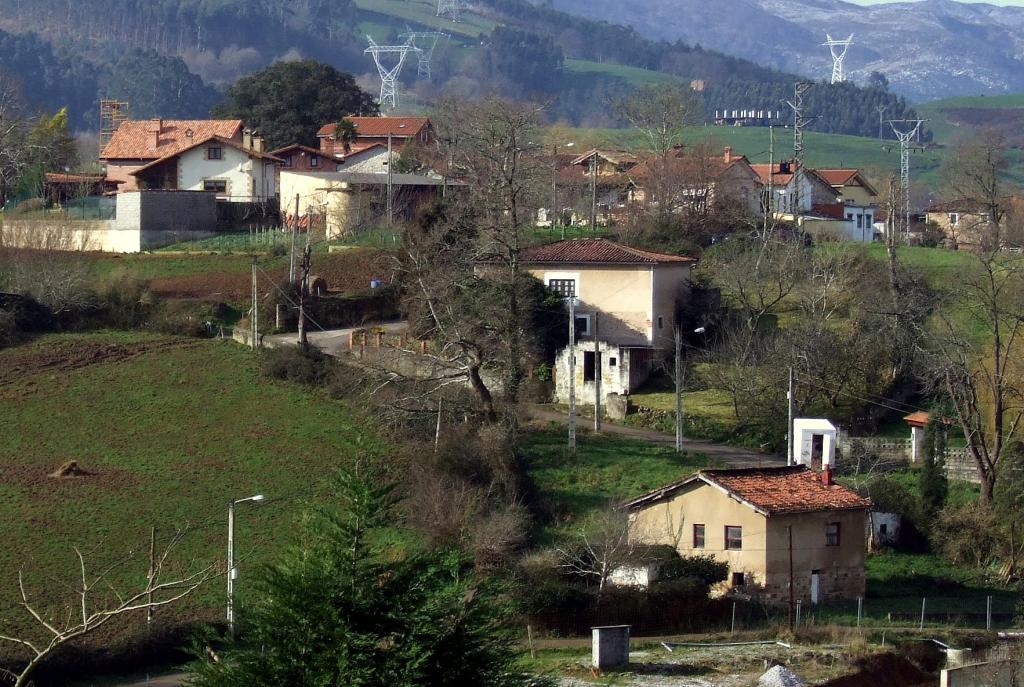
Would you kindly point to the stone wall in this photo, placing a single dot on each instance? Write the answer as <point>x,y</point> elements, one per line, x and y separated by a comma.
<point>57,233</point>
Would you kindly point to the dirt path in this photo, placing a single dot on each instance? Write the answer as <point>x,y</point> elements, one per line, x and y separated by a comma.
<point>727,455</point>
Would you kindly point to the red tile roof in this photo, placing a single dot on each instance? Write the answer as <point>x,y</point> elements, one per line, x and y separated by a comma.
<point>597,251</point>
<point>845,177</point>
<point>918,419</point>
<point>399,127</point>
<point>770,491</point>
<point>297,146</point>
<point>219,139</point>
<point>134,139</point>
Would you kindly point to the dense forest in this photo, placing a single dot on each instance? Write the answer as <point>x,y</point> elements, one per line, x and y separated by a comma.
<point>174,58</point>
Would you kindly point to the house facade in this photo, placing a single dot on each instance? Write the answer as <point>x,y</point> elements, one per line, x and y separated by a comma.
<point>626,305</point>
<point>755,519</point>
<point>798,193</point>
<point>138,143</point>
<point>236,172</point>
<point>859,201</point>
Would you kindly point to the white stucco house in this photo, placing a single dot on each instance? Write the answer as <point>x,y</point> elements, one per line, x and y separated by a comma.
<point>238,172</point>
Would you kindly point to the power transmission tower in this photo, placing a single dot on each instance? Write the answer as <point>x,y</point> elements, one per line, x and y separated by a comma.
<point>452,9</point>
<point>428,41</point>
<point>908,131</point>
<point>389,72</point>
<point>800,121</point>
<point>839,50</point>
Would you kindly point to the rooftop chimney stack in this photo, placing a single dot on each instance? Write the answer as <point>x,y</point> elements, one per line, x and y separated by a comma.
<point>826,475</point>
<point>728,155</point>
<point>156,125</point>
<point>247,139</point>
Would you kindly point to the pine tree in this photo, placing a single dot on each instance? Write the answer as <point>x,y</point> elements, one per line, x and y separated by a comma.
<point>350,606</point>
<point>932,479</point>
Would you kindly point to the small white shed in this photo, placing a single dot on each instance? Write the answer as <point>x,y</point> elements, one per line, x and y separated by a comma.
<point>814,443</point>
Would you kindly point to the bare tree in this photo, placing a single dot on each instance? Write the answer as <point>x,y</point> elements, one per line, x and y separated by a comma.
<point>599,549</point>
<point>974,359</point>
<point>94,600</point>
<point>660,113</point>
<point>975,174</point>
<point>13,132</point>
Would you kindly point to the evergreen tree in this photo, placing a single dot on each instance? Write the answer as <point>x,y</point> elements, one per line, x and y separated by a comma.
<point>932,478</point>
<point>350,606</point>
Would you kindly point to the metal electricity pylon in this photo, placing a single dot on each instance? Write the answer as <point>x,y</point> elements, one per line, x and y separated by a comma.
<point>800,121</point>
<point>389,72</point>
<point>425,42</point>
<point>451,9</point>
<point>907,131</point>
<point>839,50</point>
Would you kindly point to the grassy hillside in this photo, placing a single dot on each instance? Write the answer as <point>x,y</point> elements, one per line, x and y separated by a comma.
<point>170,430</point>
<point>954,119</point>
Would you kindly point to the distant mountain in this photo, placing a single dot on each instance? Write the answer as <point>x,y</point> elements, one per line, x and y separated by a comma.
<point>928,50</point>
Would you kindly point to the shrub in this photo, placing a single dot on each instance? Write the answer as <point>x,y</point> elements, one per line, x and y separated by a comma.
<point>180,318</point>
<point>706,570</point>
<point>308,367</point>
<point>967,534</point>
<point>9,332</point>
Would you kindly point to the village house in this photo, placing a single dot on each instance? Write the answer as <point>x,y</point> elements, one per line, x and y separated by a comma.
<point>697,181</point>
<point>626,306</point>
<point>756,519</point>
<point>858,198</point>
<point>372,130</point>
<point>967,224</point>
<point>138,143</point>
<point>237,172</point>
<point>803,197</point>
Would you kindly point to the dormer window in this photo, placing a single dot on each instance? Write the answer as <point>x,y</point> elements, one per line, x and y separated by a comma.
<point>214,153</point>
<point>314,160</point>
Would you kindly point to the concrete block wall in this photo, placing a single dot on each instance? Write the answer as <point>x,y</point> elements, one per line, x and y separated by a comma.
<point>165,217</point>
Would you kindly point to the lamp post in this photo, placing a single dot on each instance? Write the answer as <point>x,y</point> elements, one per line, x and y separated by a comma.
<point>232,572</point>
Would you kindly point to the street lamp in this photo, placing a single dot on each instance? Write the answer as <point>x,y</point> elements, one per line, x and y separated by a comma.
<point>232,572</point>
<point>679,385</point>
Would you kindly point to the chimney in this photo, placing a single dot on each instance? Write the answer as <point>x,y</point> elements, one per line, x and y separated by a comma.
<point>728,155</point>
<point>247,139</point>
<point>258,143</point>
<point>826,475</point>
<point>156,125</point>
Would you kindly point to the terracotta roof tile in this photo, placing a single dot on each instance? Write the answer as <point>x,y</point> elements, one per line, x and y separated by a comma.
<point>772,491</point>
<point>219,139</point>
<point>600,251</point>
<point>837,177</point>
<point>134,139</point>
<point>787,490</point>
<point>401,127</point>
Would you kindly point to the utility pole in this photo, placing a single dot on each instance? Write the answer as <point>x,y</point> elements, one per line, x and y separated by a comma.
<point>679,389</point>
<point>593,193</point>
<point>295,229</point>
<point>799,122</point>
<point>231,569</point>
<point>307,261</point>
<point>769,211</point>
<point>391,217</point>
<point>881,109</point>
<point>792,591</point>
<point>554,188</point>
<point>597,378</point>
<point>253,324</point>
<point>789,427</point>
<point>572,371</point>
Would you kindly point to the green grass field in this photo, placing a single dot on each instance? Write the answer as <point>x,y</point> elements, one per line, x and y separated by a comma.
<point>171,430</point>
<point>605,470</point>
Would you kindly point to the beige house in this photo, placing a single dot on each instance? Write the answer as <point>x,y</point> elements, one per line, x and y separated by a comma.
<point>859,200</point>
<point>345,202</point>
<point>626,306</point>
<point>753,518</point>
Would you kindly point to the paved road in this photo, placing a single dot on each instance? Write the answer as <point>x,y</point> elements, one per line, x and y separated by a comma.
<point>727,455</point>
<point>175,680</point>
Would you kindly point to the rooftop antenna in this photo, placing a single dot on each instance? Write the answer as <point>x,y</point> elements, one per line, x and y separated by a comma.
<point>839,50</point>
<point>389,74</point>
<point>908,131</point>
<point>452,9</point>
<point>428,41</point>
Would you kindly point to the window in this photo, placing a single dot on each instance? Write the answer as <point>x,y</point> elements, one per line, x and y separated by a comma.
<point>583,325</point>
<point>733,537</point>
<point>954,219</point>
<point>314,161</point>
<point>698,536</point>
<point>849,216</point>
<point>832,534</point>
<point>566,288</point>
<point>868,221</point>
<point>589,366</point>
<point>214,153</point>
<point>215,185</point>
<point>738,579</point>
<point>289,161</point>
<point>860,221</point>
<point>611,361</point>
<point>661,322</point>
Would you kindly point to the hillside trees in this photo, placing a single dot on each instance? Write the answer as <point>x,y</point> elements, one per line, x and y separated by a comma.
<point>289,101</point>
<point>351,604</point>
<point>157,85</point>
